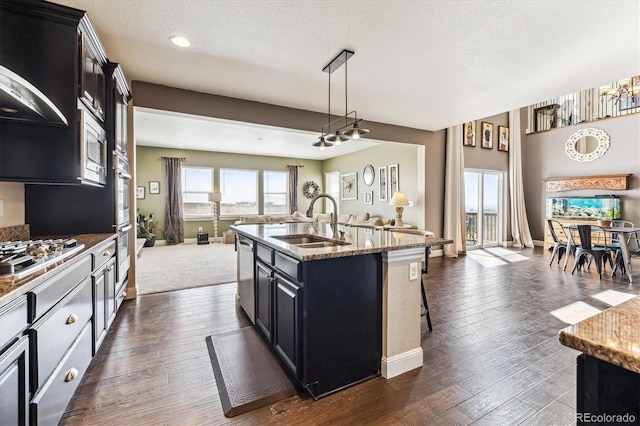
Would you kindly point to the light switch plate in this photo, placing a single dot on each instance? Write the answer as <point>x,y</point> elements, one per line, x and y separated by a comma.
<point>413,271</point>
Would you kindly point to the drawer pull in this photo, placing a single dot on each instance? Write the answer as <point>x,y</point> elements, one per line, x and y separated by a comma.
<point>71,374</point>
<point>106,253</point>
<point>72,318</point>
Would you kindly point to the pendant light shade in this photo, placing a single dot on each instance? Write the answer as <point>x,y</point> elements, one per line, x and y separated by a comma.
<point>356,132</point>
<point>322,144</point>
<point>349,120</point>
<point>337,137</point>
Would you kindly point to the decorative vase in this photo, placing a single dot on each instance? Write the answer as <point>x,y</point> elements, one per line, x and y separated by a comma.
<point>150,242</point>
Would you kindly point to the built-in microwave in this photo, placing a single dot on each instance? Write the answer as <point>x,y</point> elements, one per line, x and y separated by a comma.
<point>93,150</point>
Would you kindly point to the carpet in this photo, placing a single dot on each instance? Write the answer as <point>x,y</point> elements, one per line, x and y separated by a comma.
<point>247,374</point>
<point>188,265</point>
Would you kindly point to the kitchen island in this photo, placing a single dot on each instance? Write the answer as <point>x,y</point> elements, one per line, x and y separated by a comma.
<point>336,311</point>
<point>608,370</point>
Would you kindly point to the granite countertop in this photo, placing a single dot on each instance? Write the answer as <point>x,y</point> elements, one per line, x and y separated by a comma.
<point>612,335</point>
<point>11,289</point>
<point>361,240</point>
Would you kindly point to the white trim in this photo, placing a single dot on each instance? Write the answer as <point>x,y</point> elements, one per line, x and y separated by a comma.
<point>403,255</point>
<point>437,253</point>
<point>538,243</point>
<point>401,363</point>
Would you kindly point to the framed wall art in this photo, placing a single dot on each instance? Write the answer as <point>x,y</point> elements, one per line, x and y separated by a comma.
<point>368,175</point>
<point>487,135</point>
<point>140,192</point>
<point>368,197</point>
<point>394,183</point>
<point>350,186</point>
<point>469,133</point>
<point>154,187</point>
<point>382,183</point>
<point>503,138</point>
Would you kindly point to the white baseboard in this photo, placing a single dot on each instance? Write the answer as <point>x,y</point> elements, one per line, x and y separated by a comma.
<point>401,363</point>
<point>538,243</point>
<point>437,253</point>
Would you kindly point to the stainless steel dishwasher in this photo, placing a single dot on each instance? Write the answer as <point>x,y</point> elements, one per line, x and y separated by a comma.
<point>246,264</point>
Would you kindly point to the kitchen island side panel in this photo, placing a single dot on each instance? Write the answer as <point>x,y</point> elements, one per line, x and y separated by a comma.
<point>342,321</point>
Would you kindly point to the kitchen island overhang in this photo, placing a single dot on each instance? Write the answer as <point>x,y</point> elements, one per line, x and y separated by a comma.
<point>361,287</point>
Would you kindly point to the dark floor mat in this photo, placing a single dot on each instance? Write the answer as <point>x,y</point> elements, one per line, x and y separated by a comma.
<point>247,374</point>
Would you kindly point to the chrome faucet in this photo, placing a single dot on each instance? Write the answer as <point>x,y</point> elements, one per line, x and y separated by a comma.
<point>334,217</point>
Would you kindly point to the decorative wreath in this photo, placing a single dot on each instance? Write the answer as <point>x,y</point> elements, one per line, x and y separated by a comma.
<point>310,189</point>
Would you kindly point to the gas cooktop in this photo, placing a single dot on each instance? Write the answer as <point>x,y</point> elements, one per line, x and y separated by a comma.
<point>19,259</point>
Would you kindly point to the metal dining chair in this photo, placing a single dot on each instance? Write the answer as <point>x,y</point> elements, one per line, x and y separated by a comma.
<point>559,239</point>
<point>585,249</point>
<point>425,267</point>
<point>618,263</point>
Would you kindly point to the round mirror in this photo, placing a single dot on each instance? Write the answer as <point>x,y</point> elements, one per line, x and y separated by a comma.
<point>587,145</point>
<point>368,175</point>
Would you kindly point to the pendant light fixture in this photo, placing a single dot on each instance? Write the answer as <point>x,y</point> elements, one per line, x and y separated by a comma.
<point>339,135</point>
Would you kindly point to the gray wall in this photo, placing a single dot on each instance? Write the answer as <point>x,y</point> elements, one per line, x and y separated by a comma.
<point>544,157</point>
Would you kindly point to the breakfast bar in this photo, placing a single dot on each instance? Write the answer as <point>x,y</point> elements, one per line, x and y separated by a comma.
<point>336,311</point>
<point>608,370</point>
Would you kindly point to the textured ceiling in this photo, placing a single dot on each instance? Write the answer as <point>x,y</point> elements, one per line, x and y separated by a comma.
<point>422,64</point>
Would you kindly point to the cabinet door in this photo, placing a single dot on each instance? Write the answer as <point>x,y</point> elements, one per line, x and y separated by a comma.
<point>110,288</point>
<point>264,296</point>
<point>99,313</point>
<point>287,335</point>
<point>14,384</point>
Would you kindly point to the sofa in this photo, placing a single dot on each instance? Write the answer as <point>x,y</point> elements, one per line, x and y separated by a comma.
<point>297,216</point>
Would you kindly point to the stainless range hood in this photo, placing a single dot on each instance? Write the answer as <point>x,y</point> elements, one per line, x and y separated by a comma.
<point>21,100</point>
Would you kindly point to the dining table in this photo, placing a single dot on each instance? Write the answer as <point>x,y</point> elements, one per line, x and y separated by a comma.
<point>623,232</point>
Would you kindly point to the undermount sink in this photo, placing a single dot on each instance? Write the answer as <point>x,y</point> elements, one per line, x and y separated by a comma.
<point>309,241</point>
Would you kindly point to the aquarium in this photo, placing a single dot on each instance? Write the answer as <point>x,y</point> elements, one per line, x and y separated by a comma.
<point>601,207</point>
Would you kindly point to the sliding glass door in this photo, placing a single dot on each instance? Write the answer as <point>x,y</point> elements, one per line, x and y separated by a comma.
<point>484,206</point>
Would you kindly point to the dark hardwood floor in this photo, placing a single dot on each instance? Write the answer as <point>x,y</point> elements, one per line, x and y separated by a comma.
<point>493,357</point>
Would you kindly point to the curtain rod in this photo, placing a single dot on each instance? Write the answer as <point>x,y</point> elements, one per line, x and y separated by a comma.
<point>181,158</point>
<point>294,165</point>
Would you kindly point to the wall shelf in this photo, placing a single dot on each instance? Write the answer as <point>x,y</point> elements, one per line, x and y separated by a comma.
<point>608,182</point>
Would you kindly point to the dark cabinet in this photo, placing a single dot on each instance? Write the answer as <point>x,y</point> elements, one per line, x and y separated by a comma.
<point>287,326</point>
<point>263,297</point>
<point>14,384</point>
<point>322,318</point>
<point>92,77</point>
<point>118,97</point>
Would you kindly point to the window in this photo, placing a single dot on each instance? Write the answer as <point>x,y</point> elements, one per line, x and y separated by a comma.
<point>197,183</point>
<point>332,183</point>
<point>275,192</point>
<point>239,192</point>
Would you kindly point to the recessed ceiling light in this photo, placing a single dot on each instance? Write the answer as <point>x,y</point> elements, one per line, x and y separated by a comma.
<point>180,41</point>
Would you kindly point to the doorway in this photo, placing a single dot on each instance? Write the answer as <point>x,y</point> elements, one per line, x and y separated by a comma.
<point>484,207</point>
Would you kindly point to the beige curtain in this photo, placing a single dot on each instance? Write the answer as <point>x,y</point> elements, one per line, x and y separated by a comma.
<point>454,214</point>
<point>519,223</point>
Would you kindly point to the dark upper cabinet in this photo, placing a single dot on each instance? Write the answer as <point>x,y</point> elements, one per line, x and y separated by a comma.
<point>47,46</point>
<point>118,97</point>
<point>92,76</point>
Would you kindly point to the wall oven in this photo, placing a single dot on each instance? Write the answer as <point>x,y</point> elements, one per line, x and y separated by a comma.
<point>93,150</point>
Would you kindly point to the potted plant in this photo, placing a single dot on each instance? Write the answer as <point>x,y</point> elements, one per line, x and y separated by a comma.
<point>605,222</point>
<point>171,237</point>
<point>146,228</point>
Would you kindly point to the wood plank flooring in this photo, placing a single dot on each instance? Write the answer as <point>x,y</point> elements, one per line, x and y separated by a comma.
<point>493,357</point>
